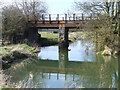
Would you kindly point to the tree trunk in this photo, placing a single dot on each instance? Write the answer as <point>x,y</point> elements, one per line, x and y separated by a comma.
<point>113,9</point>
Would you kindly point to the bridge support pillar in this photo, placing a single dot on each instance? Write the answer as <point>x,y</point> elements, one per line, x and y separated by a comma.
<point>33,35</point>
<point>63,37</point>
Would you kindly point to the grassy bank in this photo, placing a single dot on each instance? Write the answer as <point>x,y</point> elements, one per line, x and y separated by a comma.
<point>49,35</point>
<point>11,54</point>
<point>48,38</point>
<point>15,53</point>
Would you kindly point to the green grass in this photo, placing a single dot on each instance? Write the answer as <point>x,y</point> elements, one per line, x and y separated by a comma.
<point>27,48</point>
<point>49,35</point>
<point>49,38</point>
<point>53,36</point>
<point>2,49</point>
<point>18,47</point>
<point>100,52</point>
<point>16,53</point>
<point>2,45</point>
<point>5,87</point>
<point>5,49</point>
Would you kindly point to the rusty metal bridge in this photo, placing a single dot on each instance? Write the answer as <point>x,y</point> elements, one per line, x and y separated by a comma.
<point>61,22</point>
<point>58,20</point>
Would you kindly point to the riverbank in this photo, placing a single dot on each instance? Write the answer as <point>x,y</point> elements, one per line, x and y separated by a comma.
<point>12,54</point>
<point>48,38</point>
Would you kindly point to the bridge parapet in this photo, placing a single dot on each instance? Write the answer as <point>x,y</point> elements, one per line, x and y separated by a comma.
<point>53,20</point>
<point>57,17</point>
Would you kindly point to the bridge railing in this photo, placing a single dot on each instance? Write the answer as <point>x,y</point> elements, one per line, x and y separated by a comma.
<point>68,19</point>
<point>60,17</point>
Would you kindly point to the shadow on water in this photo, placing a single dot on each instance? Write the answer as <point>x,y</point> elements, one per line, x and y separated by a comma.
<point>57,68</point>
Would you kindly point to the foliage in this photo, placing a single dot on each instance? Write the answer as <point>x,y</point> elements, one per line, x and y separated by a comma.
<point>15,19</point>
<point>104,23</point>
<point>13,23</point>
<point>6,87</point>
<point>33,9</point>
<point>100,52</point>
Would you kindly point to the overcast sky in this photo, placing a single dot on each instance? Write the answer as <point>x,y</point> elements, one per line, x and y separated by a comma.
<point>54,6</point>
<point>59,6</point>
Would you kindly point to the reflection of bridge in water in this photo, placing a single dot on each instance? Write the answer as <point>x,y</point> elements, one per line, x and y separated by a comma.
<point>64,66</point>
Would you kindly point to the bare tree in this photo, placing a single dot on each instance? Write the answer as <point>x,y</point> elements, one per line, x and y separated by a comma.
<point>32,9</point>
<point>107,7</point>
<point>106,25</point>
<point>13,23</point>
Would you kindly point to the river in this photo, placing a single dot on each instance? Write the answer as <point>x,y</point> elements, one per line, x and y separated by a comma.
<point>74,67</point>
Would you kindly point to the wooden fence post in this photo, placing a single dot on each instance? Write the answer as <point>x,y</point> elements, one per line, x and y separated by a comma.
<point>91,16</point>
<point>43,21</point>
<point>73,17</point>
<point>82,17</point>
<point>37,16</point>
<point>65,18</point>
<point>50,18</point>
<point>57,19</point>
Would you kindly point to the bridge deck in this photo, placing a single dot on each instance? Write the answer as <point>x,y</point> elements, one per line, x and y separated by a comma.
<point>57,24</point>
